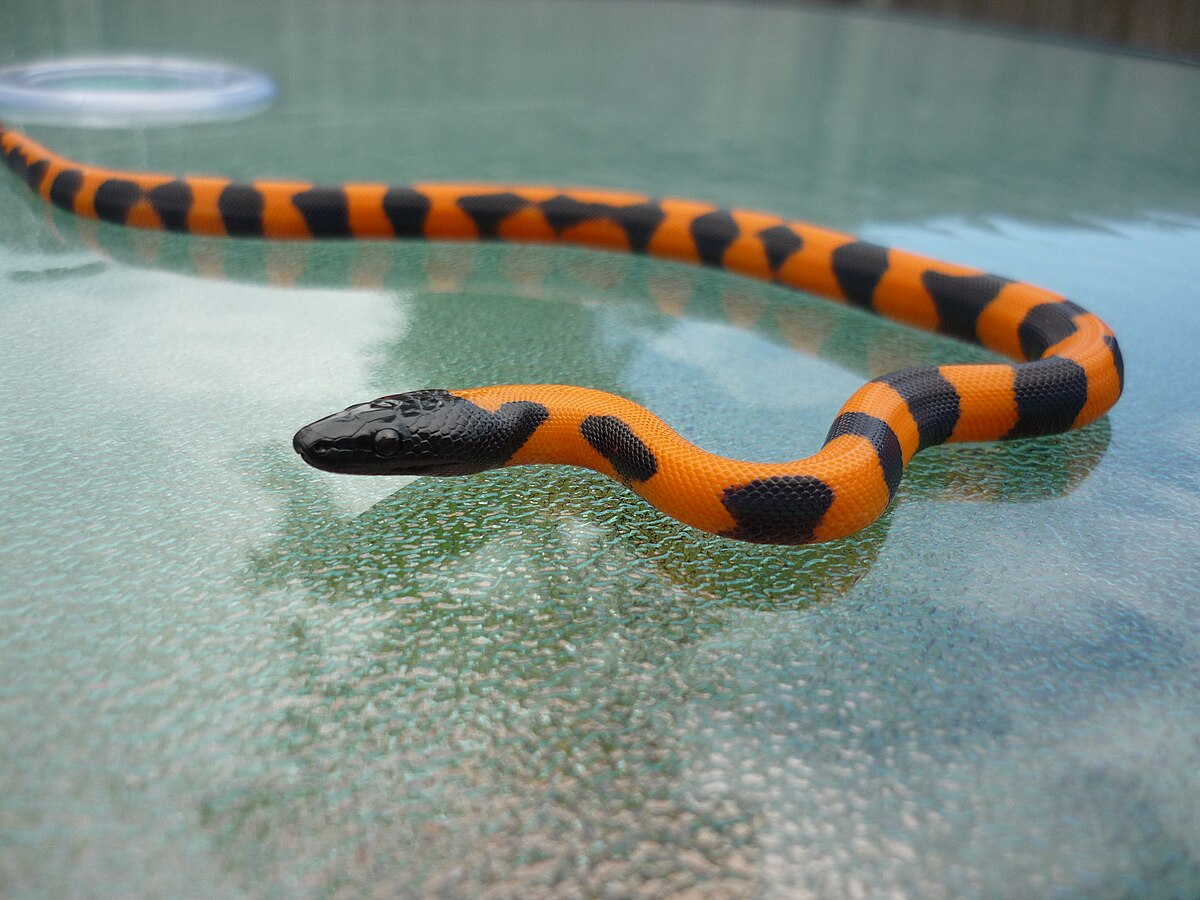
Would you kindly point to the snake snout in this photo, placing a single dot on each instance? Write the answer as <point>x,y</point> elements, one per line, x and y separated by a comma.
<point>326,451</point>
<point>298,442</point>
<point>316,447</point>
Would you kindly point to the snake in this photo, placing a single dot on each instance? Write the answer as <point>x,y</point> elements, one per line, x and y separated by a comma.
<point>1066,370</point>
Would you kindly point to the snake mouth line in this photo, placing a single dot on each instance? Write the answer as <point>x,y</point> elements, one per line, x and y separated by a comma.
<point>337,462</point>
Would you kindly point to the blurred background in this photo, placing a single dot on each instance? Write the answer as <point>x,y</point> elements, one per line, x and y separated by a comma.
<point>1161,26</point>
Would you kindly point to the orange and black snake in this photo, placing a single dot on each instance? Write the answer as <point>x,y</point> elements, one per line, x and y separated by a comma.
<point>1069,370</point>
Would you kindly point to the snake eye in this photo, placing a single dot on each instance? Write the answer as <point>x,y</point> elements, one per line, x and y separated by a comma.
<point>387,442</point>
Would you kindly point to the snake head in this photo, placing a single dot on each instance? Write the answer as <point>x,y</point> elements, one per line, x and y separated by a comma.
<point>430,432</point>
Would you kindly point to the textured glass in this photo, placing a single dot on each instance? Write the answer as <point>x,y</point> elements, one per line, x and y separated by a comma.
<point>224,673</point>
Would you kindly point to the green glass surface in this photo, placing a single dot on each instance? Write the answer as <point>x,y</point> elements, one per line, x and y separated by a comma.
<point>224,673</point>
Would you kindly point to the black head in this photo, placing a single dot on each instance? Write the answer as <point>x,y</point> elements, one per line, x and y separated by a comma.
<point>419,433</point>
<point>428,432</point>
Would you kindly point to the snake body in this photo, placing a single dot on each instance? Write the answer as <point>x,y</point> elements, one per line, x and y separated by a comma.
<point>1068,370</point>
